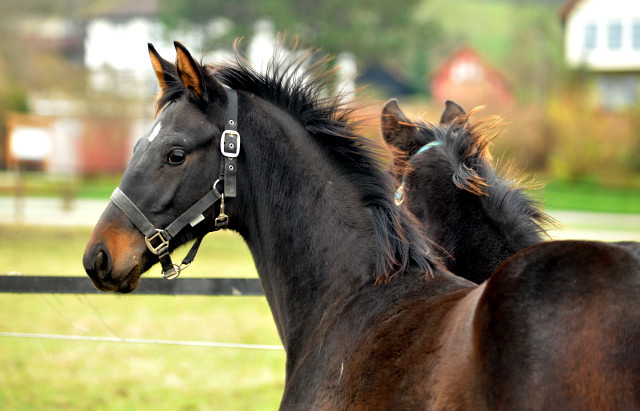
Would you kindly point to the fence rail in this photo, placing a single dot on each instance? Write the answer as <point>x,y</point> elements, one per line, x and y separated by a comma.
<point>148,286</point>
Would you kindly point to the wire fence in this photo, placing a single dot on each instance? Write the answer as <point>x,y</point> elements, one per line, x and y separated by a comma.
<point>28,284</point>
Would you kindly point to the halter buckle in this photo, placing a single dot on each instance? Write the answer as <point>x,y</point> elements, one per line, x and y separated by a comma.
<point>233,146</point>
<point>156,237</point>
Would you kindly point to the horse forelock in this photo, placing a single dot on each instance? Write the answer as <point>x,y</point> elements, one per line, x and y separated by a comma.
<point>466,149</point>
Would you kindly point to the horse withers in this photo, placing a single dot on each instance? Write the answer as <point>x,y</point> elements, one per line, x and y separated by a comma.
<point>367,314</point>
<point>477,216</point>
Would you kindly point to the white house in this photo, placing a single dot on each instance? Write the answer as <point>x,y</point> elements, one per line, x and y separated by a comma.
<point>603,37</point>
<point>116,47</point>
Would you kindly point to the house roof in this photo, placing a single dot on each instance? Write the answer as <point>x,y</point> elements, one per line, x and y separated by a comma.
<point>489,75</point>
<point>567,8</point>
<point>462,52</point>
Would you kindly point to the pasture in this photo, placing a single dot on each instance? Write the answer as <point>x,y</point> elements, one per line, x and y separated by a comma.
<point>43,374</point>
<point>76,375</point>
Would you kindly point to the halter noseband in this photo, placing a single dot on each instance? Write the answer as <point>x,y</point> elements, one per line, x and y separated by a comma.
<point>157,240</point>
<point>399,197</point>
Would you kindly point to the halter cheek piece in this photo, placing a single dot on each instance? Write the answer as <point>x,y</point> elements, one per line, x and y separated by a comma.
<point>400,191</point>
<point>157,240</point>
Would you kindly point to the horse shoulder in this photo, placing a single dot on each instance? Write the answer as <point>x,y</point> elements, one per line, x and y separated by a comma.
<point>402,358</point>
<point>559,323</point>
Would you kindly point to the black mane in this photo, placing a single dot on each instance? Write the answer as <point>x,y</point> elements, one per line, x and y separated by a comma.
<point>503,198</point>
<point>302,88</point>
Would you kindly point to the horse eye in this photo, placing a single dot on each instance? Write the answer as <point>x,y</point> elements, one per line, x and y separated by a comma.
<point>176,157</point>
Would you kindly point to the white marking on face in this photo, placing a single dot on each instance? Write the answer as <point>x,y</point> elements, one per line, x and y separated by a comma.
<point>155,131</point>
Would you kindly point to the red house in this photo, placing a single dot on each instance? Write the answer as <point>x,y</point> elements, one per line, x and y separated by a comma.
<point>469,81</point>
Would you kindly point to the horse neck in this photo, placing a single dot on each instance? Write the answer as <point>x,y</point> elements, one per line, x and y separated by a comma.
<point>516,215</point>
<point>478,231</point>
<point>310,237</point>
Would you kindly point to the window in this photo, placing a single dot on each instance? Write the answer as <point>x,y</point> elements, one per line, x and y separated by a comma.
<point>635,33</point>
<point>615,36</point>
<point>590,36</point>
<point>618,91</point>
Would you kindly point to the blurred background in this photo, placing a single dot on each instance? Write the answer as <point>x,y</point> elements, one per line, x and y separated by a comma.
<point>77,90</point>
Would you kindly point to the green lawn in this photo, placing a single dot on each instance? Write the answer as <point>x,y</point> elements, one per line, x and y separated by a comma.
<point>587,196</point>
<point>43,374</point>
<point>40,374</point>
<point>58,251</point>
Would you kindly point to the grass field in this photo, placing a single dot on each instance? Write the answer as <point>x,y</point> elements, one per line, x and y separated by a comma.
<point>588,196</point>
<point>43,374</point>
<point>40,374</point>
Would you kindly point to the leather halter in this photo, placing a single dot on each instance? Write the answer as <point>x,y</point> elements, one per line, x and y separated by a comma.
<point>157,240</point>
<point>399,197</point>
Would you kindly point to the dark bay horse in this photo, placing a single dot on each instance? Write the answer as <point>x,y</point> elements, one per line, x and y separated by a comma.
<point>368,316</point>
<point>477,216</point>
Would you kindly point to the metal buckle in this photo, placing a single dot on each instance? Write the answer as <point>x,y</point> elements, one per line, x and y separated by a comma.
<point>174,272</point>
<point>399,197</point>
<point>157,236</point>
<point>223,144</point>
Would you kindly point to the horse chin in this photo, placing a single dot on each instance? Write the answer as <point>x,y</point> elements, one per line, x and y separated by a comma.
<point>119,281</point>
<point>130,281</point>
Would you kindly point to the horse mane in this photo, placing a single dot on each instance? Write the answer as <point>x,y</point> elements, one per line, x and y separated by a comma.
<point>466,149</point>
<point>301,85</point>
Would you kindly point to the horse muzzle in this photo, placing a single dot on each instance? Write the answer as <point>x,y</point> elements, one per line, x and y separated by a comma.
<point>114,257</point>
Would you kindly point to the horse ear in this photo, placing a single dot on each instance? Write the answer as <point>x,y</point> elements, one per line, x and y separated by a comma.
<point>194,76</point>
<point>189,71</point>
<point>398,131</point>
<point>451,112</point>
<point>165,71</point>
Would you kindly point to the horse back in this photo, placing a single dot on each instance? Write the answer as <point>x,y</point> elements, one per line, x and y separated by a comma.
<point>559,324</point>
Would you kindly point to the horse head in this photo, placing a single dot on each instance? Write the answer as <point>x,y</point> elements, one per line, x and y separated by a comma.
<point>478,216</point>
<point>174,164</point>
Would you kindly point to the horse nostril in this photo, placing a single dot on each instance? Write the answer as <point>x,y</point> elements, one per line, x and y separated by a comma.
<point>100,263</point>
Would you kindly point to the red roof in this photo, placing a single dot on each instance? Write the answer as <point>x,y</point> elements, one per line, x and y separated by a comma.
<point>466,76</point>
<point>567,8</point>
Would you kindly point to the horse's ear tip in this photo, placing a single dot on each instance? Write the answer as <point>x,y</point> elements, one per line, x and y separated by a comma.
<point>391,104</point>
<point>453,104</point>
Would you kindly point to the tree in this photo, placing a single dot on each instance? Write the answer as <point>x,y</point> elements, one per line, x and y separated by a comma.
<point>379,30</point>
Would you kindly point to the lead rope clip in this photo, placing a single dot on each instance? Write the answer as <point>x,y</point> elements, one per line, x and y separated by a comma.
<point>222,221</point>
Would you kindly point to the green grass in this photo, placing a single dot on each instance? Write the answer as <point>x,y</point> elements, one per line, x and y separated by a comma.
<point>76,375</point>
<point>40,185</point>
<point>40,374</point>
<point>43,374</point>
<point>59,250</point>
<point>588,196</point>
